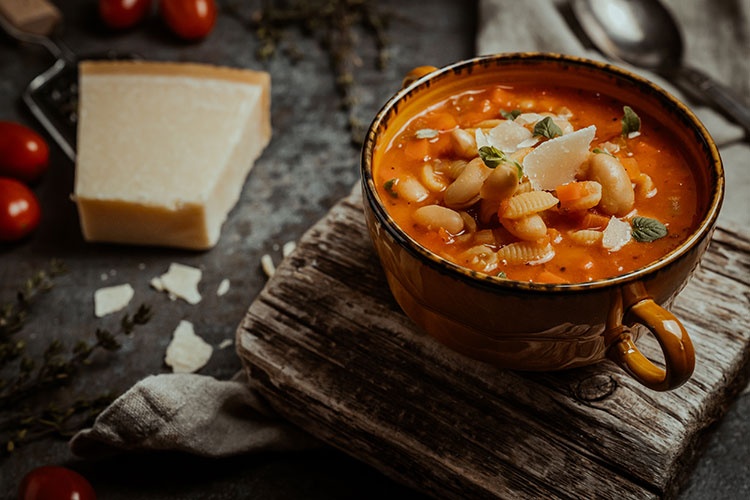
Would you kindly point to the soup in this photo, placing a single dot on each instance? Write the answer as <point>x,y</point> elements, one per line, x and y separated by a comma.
<point>542,184</point>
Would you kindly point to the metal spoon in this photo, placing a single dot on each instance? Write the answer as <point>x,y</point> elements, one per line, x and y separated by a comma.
<point>644,33</point>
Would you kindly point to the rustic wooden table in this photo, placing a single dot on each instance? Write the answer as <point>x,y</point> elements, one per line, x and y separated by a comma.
<point>308,166</point>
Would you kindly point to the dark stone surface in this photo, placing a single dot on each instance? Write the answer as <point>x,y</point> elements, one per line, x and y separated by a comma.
<point>307,167</point>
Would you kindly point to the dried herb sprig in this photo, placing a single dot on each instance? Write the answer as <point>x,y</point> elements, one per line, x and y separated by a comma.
<point>13,315</point>
<point>334,24</point>
<point>57,369</point>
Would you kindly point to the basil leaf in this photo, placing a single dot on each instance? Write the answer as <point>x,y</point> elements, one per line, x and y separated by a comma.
<point>647,230</point>
<point>389,188</point>
<point>604,151</point>
<point>547,128</point>
<point>510,115</point>
<point>630,121</point>
<point>426,133</point>
<point>491,156</point>
<point>520,169</point>
<point>502,275</point>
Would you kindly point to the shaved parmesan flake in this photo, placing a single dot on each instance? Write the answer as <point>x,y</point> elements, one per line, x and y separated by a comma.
<point>481,139</point>
<point>223,287</point>
<point>532,141</point>
<point>112,299</point>
<point>558,160</point>
<point>225,343</point>
<point>187,352</point>
<point>288,248</point>
<point>616,235</point>
<point>156,284</point>
<point>507,135</point>
<point>181,281</point>
<point>528,118</point>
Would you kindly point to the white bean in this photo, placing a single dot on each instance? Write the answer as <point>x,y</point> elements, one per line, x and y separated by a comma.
<point>411,190</point>
<point>464,143</point>
<point>501,183</point>
<point>529,228</point>
<point>464,191</point>
<point>618,197</point>
<point>434,217</point>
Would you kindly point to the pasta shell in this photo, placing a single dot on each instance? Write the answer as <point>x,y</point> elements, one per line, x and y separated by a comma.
<point>526,252</point>
<point>529,203</point>
<point>585,237</point>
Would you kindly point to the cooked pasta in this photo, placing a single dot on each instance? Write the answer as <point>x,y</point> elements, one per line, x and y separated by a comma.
<point>525,204</point>
<point>526,252</point>
<point>586,237</point>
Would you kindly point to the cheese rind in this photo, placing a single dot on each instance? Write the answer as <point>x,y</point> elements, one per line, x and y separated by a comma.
<point>164,148</point>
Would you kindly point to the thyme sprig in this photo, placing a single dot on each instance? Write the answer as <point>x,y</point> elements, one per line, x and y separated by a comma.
<point>22,417</point>
<point>334,24</point>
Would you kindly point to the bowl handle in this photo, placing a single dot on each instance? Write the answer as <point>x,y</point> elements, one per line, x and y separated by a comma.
<point>415,74</point>
<point>675,343</point>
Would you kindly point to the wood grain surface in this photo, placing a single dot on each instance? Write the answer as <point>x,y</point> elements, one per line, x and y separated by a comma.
<point>328,346</point>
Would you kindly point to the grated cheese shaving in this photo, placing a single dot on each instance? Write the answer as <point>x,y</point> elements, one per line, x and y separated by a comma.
<point>616,235</point>
<point>223,287</point>
<point>187,352</point>
<point>558,160</point>
<point>181,281</point>
<point>112,299</point>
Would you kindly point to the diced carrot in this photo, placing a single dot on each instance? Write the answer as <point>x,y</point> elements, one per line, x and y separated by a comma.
<point>631,167</point>
<point>548,277</point>
<point>417,149</point>
<point>592,220</point>
<point>568,193</point>
<point>441,145</point>
<point>499,96</point>
<point>472,118</point>
<point>442,121</point>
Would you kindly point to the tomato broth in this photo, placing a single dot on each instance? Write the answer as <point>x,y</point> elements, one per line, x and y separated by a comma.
<point>563,237</point>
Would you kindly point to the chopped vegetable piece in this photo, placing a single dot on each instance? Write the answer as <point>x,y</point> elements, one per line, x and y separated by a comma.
<point>388,185</point>
<point>547,128</point>
<point>426,133</point>
<point>572,191</point>
<point>647,230</point>
<point>631,167</point>
<point>418,149</point>
<point>630,121</point>
<point>510,115</point>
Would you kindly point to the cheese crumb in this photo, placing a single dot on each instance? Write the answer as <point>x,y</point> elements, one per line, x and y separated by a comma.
<point>288,248</point>
<point>181,281</point>
<point>223,287</point>
<point>112,299</point>
<point>267,264</point>
<point>225,343</point>
<point>187,352</point>
<point>616,235</point>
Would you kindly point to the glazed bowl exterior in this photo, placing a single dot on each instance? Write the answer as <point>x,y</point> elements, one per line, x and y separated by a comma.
<point>536,326</point>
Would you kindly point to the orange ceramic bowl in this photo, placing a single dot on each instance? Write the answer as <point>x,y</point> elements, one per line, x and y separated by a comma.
<point>537,326</point>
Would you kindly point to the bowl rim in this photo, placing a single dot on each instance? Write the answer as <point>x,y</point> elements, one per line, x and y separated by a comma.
<point>703,229</point>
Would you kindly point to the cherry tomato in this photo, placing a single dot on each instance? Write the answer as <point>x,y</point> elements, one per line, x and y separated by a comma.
<point>19,210</point>
<point>121,14</point>
<point>189,19</point>
<point>23,153</point>
<point>55,483</point>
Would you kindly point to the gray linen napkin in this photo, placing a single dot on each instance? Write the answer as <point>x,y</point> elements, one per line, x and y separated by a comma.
<point>198,414</point>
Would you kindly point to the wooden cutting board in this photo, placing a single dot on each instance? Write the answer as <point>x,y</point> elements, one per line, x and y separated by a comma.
<point>328,346</point>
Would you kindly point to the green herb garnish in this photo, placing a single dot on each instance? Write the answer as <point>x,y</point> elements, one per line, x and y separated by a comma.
<point>647,230</point>
<point>602,151</point>
<point>388,185</point>
<point>630,121</point>
<point>510,115</point>
<point>492,157</point>
<point>547,128</point>
<point>426,133</point>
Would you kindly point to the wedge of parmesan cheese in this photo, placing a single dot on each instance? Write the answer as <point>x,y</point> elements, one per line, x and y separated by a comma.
<point>112,299</point>
<point>164,148</point>
<point>181,281</point>
<point>616,235</point>
<point>187,352</point>
<point>558,160</point>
